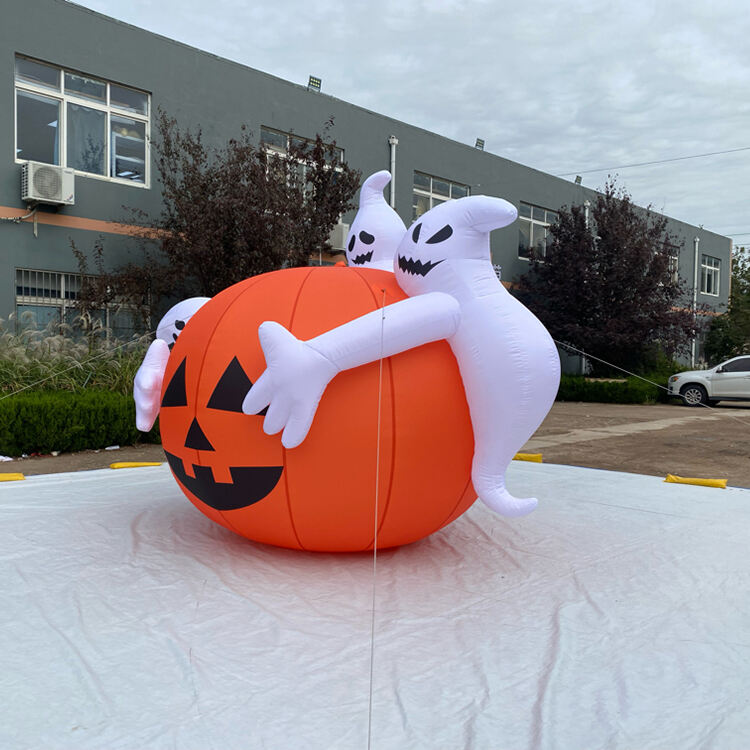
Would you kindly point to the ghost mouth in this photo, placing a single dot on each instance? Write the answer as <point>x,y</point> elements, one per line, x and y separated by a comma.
<point>249,485</point>
<point>364,258</point>
<point>416,267</point>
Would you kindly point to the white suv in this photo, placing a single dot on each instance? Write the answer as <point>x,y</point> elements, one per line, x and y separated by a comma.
<point>729,381</point>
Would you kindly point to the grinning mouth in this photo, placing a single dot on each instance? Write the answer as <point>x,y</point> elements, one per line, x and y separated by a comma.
<point>416,267</point>
<point>364,258</point>
<point>249,485</point>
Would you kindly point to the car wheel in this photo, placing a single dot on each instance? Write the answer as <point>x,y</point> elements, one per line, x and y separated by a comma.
<point>694,395</point>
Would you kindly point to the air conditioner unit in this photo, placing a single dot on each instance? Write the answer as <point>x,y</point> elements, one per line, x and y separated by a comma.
<point>337,238</point>
<point>46,183</point>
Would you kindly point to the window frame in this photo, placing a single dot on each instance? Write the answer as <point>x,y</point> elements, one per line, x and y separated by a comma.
<point>532,222</point>
<point>63,98</point>
<point>430,193</point>
<point>67,286</point>
<point>712,269</point>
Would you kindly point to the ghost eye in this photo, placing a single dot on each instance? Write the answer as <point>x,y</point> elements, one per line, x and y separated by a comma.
<point>179,324</point>
<point>231,389</point>
<point>415,232</point>
<point>175,395</point>
<point>368,239</point>
<point>351,242</point>
<point>441,236</point>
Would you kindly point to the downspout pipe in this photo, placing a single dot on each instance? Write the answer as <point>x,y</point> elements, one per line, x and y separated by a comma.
<point>393,142</point>
<point>696,242</point>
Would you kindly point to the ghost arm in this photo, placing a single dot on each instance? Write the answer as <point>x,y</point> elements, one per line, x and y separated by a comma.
<point>147,385</point>
<point>297,372</point>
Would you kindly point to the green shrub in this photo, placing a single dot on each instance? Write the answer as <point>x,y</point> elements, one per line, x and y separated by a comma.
<point>45,421</point>
<point>628,391</point>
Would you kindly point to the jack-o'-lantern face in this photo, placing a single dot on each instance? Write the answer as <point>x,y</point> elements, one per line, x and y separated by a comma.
<point>249,484</point>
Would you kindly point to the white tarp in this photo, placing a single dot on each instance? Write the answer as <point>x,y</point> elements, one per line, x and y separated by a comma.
<point>615,616</point>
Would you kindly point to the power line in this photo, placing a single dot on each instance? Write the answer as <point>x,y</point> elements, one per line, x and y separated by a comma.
<point>660,161</point>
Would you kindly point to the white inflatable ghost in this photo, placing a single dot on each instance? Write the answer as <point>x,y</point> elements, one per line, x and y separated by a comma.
<point>507,359</point>
<point>377,229</point>
<point>148,379</point>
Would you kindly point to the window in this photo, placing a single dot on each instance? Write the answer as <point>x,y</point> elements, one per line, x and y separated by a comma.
<point>46,298</point>
<point>710,274</point>
<point>533,230</point>
<point>279,142</point>
<point>738,365</point>
<point>432,191</point>
<point>674,265</point>
<point>77,121</point>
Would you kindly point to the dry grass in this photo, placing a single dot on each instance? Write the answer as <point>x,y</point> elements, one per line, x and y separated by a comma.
<point>67,358</point>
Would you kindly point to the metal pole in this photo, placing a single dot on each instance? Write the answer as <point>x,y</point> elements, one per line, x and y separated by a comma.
<point>393,142</point>
<point>696,240</point>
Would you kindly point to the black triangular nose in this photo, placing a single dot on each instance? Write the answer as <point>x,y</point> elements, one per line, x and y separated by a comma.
<point>197,439</point>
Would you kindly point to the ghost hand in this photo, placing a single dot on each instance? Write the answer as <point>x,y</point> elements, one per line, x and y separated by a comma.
<point>292,385</point>
<point>147,385</point>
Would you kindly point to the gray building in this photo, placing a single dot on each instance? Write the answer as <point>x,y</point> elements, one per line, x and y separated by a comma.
<point>80,91</point>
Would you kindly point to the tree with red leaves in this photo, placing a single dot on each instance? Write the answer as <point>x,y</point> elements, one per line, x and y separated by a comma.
<point>606,285</point>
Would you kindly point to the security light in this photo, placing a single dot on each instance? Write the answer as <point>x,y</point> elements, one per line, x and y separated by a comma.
<point>479,144</point>
<point>578,179</point>
<point>313,84</point>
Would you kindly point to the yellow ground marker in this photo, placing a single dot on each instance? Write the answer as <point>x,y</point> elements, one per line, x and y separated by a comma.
<point>133,464</point>
<point>721,483</point>
<point>11,477</point>
<point>535,457</point>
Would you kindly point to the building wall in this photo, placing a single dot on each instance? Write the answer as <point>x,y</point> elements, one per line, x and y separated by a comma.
<point>200,89</point>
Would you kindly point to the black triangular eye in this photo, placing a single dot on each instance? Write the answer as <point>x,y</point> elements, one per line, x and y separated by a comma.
<point>175,394</point>
<point>352,241</point>
<point>441,236</point>
<point>368,239</point>
<point>231,389</point>
<point>415,232</point>
<point>197,439</point>
<point>179,324</point>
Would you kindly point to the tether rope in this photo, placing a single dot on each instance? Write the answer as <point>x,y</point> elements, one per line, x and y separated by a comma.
<point>375,525</point>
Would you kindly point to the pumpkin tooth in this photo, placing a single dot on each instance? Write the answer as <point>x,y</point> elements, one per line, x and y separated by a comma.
<point>222,474</point>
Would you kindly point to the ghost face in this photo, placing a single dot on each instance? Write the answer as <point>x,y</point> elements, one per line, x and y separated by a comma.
<point>359,248</point>
<point>437,245</point>
<point>174,321</point>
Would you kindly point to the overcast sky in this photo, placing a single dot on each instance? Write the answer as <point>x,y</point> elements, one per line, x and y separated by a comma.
<point>565,87</point>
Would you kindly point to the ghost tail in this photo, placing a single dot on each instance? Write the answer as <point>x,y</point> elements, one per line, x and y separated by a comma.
<point>490,488</point>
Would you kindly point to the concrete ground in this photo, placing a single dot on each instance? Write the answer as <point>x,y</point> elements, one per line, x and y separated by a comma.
<point>656,439</point>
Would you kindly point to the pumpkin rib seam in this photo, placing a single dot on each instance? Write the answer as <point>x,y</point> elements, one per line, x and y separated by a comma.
<point>386,506</point>
<point>283,450</point>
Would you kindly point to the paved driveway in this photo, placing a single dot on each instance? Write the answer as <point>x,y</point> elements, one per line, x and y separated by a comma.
<point>657,439</point>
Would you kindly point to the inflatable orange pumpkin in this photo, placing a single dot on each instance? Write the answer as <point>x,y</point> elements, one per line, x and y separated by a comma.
<point>320,495</point>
